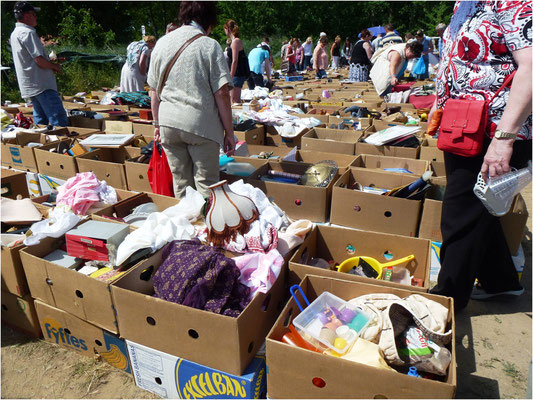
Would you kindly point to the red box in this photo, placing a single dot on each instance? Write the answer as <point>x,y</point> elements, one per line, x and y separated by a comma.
<point>96,240</point>
<point>146,114</point>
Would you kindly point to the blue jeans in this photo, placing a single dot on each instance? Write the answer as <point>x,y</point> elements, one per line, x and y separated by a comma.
<point>321,74</point>
<point>48,109</point>
<point>238,81</point>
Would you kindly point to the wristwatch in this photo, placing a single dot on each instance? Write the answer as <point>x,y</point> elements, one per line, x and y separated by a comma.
<point>499,134</point>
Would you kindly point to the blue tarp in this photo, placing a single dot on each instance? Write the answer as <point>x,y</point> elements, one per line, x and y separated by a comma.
<point>376,30</point>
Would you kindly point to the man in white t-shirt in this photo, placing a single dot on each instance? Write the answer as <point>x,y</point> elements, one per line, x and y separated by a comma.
<point>35,71</point>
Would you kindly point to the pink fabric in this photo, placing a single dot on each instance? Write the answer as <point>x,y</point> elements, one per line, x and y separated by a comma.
<point>79,192</point>
<point>401,87</point>
<point>259,271</point>
<point>422,101</point>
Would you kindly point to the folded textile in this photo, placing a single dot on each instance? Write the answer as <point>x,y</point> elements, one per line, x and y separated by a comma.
<point>259,271</point>
<point>160,228</point>
<point>293,236</point>
<point>83,190</point>
<point>198,276</point>
<point>60,221</point>
<point>391,315</point>
<point>140,98</point>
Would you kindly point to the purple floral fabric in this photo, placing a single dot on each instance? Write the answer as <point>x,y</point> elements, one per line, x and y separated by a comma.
<point>199,276</point>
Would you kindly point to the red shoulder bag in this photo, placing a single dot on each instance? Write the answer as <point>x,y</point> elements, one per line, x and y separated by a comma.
<point>464,122</point>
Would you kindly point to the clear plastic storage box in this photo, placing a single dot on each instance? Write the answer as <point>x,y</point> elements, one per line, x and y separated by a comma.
<point>332,321</point>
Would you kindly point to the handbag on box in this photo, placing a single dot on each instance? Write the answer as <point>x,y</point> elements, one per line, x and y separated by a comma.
<point>464,122</point>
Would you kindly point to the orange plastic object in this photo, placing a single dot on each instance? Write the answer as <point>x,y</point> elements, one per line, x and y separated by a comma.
<point>434,124</point>
<point>295,339</point>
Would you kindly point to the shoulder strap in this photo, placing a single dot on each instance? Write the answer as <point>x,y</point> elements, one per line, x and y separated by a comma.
<point>506,83</point>
<point>173,61</point>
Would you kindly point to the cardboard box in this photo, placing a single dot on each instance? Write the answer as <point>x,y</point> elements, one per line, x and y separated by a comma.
<point>14,184</point>
<point>62,166</point>
<point>385,150</point>
<point>430,220</point>
<point>19,156</point>
<point>252,136</point>
<point>119,127</point>
<point>336,244</point>
<point>331,140</point>
<point>83,122</point>
<point>255,162</point>
<point>279,151</point>
<point>373,162</point>
<point>348,119</point>
<point>19,313</point>
<point>146,130</point>
<point>137,175</point>
<point>85,297</point>
<point>514,223</point>
<point>96,240</point>
<point>32,181</point>
<point>100,108</point>
<point>439,172</point>
<point>13,277</point>
<point>108,164</point>
<point>374,212</point>
<point>172,377</point>
<point>311,157</point>
<point>73,333</point>
<point>214,340</point>
<point>429,150</point>
<point>126,204</point>
<point>273,138</point>
<point>295,373</point>
<point>297,201</point>
<point>49,184</point>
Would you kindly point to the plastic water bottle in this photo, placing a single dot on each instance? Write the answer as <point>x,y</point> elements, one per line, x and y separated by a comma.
<point>497,194</point>
<point>239,169</point>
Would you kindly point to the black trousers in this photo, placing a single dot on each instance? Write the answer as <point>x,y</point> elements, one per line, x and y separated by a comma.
<point>474,244</point>
<point>257,79</point>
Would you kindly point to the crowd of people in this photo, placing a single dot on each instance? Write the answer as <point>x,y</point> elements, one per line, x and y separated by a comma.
<point>191,105</point>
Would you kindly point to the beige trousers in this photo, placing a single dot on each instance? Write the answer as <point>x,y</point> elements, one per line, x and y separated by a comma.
<point>193,160</point>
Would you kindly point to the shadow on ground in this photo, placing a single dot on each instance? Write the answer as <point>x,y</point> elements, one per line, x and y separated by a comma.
<point>468,384</point>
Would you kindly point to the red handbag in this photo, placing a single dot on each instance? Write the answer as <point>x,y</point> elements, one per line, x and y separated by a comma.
<point>159,174</point>
<point>464,122</point>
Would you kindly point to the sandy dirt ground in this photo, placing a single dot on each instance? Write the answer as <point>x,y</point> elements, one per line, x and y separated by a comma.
<point>493,355</point>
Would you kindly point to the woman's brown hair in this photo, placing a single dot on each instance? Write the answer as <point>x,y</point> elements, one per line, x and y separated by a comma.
<point>202,12</point>
<point>232,26</point>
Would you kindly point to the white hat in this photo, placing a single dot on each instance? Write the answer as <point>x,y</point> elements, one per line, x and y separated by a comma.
<point>323,34</point>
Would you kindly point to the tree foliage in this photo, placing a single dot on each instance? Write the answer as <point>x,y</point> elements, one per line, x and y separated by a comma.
<point>79,28</point>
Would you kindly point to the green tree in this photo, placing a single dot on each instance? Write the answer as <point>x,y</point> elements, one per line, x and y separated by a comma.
<point>78,28</point>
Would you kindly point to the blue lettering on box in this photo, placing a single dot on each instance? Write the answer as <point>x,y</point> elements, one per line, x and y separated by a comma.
<point>15,155</point>
<point>194,381</point>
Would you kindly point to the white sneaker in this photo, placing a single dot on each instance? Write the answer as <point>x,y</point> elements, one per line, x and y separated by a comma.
<point>479,293</point>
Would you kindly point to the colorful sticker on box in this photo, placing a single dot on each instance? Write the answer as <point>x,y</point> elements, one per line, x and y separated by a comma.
<point>15,155</point>
<point>212,384</point>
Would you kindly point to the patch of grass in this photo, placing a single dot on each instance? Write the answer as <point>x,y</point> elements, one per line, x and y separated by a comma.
<point>511,371</point>
<point>486,343</point>
<point>490,363</point>
<point>90,373</point>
